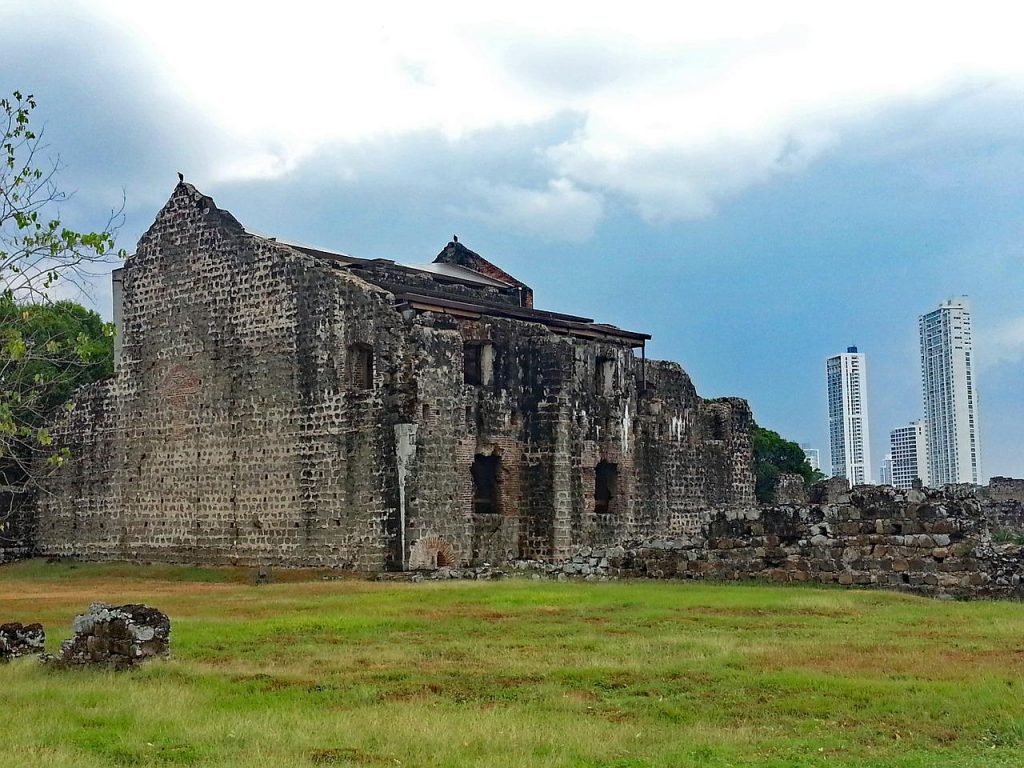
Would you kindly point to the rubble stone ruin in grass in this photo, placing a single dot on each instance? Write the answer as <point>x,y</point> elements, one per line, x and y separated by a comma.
<point>18,639</point>
<point>120,636</point>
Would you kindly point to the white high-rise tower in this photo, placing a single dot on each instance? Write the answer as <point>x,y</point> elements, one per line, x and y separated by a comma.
<point>950,394</point>
<point>848,416</point>
<point>909,450</point>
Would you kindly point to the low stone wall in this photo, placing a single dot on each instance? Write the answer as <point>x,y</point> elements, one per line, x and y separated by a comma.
<point>924,541</point>
<point>1003,504</point>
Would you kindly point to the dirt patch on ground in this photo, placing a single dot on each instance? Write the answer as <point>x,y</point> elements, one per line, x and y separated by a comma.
<point>890,661</point>
<point>348,756</point>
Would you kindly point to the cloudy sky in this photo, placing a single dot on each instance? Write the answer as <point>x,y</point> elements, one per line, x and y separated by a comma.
<point>757,184</point>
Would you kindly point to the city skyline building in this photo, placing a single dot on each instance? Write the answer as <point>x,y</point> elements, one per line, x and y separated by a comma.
<point>949,392</point>
<point>813,456</point>
<point>885,471</point>
<point>908,449</point>
<point>849,434</point>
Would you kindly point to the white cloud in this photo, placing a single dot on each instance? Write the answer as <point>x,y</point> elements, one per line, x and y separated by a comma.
<point>560,211</point>
<point>1003,344</point>
<point>680,109</point>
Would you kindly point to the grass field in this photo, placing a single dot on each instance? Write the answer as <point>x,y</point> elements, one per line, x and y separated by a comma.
<point>517,673</point>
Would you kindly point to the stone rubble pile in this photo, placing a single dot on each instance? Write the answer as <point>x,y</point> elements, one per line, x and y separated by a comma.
<point>18,639</point>
<point>589,563</point>
<point>119,636</point>
<point>1005,568</point>
<point>479,573</point>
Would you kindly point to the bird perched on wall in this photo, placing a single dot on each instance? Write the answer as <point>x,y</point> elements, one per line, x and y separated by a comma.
<point>181,176</point>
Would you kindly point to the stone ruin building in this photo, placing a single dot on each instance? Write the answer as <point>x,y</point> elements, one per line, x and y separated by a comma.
<point>280,404</point>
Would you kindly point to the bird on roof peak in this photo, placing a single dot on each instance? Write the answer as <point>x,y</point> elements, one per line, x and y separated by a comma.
<point>455,239</point>
<point>181,177</point>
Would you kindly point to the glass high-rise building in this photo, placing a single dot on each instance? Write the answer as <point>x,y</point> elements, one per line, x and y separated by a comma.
<point>950,394</point>
<point>885,471</point>
<point>848,416</point>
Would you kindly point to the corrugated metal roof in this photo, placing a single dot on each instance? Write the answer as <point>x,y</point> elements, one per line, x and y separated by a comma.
<point>456,272</point>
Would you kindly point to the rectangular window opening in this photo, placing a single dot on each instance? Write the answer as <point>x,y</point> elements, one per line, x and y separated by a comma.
<point>472,370</point>
<point>477,363</point>
<point>606,481</point>
<point>604,375</point>
<point>486,473</point>
<point>361,366</point>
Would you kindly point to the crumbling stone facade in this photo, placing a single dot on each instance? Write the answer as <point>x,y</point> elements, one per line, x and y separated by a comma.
<point>277,404</point>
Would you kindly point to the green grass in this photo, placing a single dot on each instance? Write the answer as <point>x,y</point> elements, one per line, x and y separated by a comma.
<point>516,673</point>
<point>1006,536</point>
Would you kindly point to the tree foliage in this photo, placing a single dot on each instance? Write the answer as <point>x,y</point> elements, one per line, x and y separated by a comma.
<point>47,347</point>
<point>47,350</point>
<point>773,456</point>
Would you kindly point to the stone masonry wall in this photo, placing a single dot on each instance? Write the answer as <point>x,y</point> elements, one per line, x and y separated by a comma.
<point>548,415</point>
<point>1003,503</point>
<point>929,542</point>
<point>274,407</point>
<point>232,430</point>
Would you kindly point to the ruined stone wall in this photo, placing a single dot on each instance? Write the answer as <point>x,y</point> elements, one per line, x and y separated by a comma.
<point>1003,503</point>
<point>232,430</point>
<point>693,454</point>
<point>929,542</point>
<point>557,411</point>
<point>243,424</point>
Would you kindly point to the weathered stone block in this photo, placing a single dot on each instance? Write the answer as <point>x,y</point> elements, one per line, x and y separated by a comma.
<point>117,636</point>
<point>18,639</point>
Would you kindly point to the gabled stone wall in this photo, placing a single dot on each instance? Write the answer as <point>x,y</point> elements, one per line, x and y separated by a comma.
<point>231,430</point>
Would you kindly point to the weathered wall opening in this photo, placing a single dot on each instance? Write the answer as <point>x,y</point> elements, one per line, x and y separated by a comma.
<point>486,474</point>
<point>607,503</point>
<point>361,365</point>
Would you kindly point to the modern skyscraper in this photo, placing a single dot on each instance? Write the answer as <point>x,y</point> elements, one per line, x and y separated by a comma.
<point>908,448</point>
<point>848,416</point>
<point>885,471</point>
<point>813,456</point>
<point>950,394</point>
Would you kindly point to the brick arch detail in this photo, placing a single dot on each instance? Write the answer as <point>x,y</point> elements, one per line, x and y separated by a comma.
<point>432,552</point>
